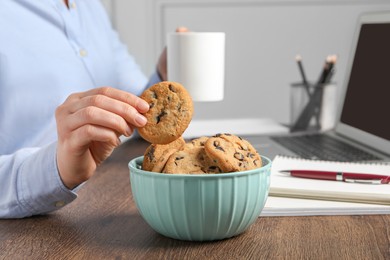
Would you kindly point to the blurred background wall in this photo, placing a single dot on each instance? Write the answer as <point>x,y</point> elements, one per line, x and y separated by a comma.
<point>262,39</point>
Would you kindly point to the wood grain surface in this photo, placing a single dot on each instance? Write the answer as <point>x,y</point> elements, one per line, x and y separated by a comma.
<point>104,223</point>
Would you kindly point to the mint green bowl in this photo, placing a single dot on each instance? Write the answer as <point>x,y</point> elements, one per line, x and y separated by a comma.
<point>200,207</point>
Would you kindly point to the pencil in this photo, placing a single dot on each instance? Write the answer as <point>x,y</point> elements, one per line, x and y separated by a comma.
<point>328,66</point>
<point>298,59</point>
<point>325,79</point>
<point>313,108</point>
<point>324,70</point>
<point>330,71</point>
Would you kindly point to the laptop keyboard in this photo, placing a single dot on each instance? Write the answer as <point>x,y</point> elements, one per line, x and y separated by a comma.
<point>323,147</point>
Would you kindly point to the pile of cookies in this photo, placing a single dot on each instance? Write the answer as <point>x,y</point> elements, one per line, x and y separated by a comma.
<point>221,153</point>
<point>169,115</point>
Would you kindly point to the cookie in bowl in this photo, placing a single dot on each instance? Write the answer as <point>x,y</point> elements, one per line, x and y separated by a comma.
<point>156,155</point>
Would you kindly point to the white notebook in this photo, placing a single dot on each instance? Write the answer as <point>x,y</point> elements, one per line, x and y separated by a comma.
<point>283,185</point>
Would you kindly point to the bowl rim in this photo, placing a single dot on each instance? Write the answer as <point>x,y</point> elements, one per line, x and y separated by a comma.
<point>133,162</point>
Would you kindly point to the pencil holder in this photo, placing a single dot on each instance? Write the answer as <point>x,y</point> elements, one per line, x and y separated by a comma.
<point>312,106</point>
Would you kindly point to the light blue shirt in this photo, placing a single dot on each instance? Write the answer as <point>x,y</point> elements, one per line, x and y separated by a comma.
<point>47,52</point>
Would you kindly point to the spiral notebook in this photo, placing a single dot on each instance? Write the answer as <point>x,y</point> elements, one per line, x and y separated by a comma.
<point>283,185</point>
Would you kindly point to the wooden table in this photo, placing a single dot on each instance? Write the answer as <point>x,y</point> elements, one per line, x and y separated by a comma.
<point>104,223</point>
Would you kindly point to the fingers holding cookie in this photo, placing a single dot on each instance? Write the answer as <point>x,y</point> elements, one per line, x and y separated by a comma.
<point>170,112</point>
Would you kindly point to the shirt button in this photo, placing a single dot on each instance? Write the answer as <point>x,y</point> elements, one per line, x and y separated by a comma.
<point>83,53</point>
<point>60,204</point>
<point>73,5</point>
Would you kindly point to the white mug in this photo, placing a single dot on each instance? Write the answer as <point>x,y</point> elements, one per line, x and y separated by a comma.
<point>197,61</point>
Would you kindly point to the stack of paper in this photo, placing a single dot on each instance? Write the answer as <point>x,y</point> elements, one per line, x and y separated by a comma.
<point>284,206</point>
<point>300,196</point>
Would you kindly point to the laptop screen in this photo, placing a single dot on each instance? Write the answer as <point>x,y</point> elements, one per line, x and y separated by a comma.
<point>364,112</point>
<point>367,100</point>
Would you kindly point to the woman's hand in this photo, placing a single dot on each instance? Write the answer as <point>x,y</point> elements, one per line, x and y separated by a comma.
<point>89,125</point>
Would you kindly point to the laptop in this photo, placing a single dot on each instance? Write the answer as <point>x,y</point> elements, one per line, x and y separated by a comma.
<point>362,129</point>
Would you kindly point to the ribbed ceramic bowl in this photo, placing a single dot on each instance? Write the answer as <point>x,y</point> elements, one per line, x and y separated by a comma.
<point>200,207</point>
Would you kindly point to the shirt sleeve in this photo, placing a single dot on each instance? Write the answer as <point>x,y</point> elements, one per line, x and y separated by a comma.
<point>30,183</point>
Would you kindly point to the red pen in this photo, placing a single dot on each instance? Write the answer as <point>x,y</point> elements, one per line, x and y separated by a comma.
<point>342,176</point>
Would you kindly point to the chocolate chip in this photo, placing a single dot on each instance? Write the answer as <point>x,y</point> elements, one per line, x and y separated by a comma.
<point>239,156</point>
<point>154,95</point>
<point>220,148</point>
<point>243,147</point>
<point>151,105</point>
<point>243,164</point>
<point>158,118</point>
<point>250,155</point>
<point>150,153</point>
<point>256,162</point>
<point>214,169</point>
<point>172,88</point>
<point>178,158</point>
<point>217,146</point>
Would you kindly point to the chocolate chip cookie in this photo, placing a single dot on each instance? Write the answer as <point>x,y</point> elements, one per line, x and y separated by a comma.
<point>156,155</point>
<point>192,159</point>
<point>198,142</point>
<point>232,153</point>
<point>170,112</point>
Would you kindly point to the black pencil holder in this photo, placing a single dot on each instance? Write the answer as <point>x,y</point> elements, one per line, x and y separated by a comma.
<point>312,106</point>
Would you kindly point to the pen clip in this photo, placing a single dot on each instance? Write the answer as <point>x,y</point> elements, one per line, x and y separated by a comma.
<point>363,181</point>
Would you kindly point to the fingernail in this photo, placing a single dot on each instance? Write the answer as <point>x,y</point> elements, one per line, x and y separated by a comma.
<point>129,131</point>
<point>140,120</point>
<point>143,106</point>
